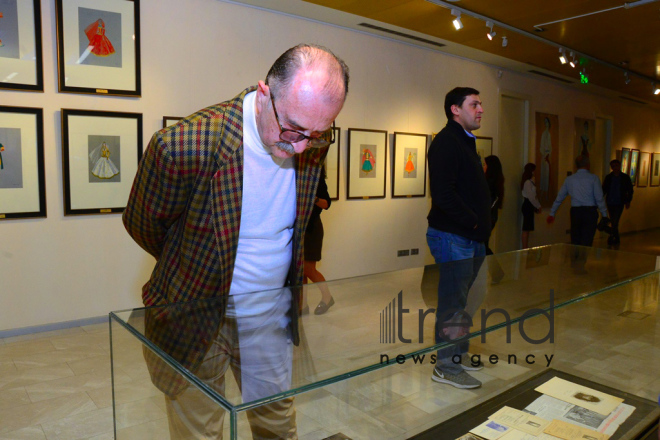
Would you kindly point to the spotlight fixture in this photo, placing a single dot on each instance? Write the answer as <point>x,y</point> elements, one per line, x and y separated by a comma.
<point>458,24</point>
<point>627,78</point>
<point>656,89</point>
<point>505,42</point>
<point>562,55</point>
<point>492,33</point>
<point>572,61</point>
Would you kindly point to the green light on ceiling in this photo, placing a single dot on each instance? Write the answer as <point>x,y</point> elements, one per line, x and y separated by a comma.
<point>584,79</point>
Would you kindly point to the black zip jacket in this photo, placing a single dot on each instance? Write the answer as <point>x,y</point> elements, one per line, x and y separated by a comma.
<point>459,193</point>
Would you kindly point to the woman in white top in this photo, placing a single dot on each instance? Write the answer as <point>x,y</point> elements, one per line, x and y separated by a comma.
<point>530,204</point>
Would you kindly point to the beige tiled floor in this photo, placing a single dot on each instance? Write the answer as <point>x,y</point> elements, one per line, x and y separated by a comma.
<point>57,385</point>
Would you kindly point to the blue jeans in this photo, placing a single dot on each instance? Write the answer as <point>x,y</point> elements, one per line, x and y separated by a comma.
<point>459,261</point>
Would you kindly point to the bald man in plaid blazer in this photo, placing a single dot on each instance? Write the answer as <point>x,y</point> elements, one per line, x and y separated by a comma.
<point>186,204</point>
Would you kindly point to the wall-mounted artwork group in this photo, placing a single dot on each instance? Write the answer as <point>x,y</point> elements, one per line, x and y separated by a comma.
<point>642,167</point>
<point>98,52</point>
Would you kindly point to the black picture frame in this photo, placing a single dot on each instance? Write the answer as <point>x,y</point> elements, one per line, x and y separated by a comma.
<point>332,161</point>
<point>23,188</point>
<point>170,120</point>
<point>101,151</point>
<point>98,49</point>
<point>362,183</point>
<point>409,150</point>
<point>21,65</point>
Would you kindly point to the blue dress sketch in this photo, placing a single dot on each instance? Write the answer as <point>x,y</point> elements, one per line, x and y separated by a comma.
<point>103,168</point>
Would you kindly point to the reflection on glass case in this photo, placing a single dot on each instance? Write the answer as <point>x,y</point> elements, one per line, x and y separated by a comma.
<point>558,340</point>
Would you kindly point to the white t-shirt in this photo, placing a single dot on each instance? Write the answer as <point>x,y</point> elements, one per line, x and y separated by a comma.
<point>268,214</point>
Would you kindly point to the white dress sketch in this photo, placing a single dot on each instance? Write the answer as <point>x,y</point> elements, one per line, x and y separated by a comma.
<point>103,167</point>
<point>546,150</point>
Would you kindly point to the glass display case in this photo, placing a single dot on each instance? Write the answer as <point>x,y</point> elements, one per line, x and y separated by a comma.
<point>251,366</point>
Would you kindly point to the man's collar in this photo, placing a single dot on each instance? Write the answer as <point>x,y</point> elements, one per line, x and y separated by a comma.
<point>458,126</point>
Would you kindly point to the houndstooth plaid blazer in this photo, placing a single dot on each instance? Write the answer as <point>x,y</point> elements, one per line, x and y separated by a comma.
<point>185,204</point>
<point>185,210</point>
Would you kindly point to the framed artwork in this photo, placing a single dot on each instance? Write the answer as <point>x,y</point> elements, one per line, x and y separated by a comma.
<point>655,169</point>
<point>170,120</point>
<point>100,155</point>
<point>22,177</point>
<point>547,158</point>
<point>98,46</point>
<point>643,171</point>
<point>409,165</point>
<point>332,166</point>
<point>367,161</point>
<point>21,65</point>
<point>625,160</point>
<point>585,130</point>
<point>634,164</point>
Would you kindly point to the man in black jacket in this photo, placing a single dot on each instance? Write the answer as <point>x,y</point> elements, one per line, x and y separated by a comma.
<point>618,191</point>
<point>459,226</point>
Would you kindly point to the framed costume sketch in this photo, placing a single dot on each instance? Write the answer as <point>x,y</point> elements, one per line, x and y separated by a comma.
<point>655,169</point>
<point>98,47</point>
<point>547,158</point>
<point>625,160</point>
<point>367,162</point>
<point>100,156</point>
<point>332,166</point>
<point>643,170</point>
<point>634,163</point>
<point>22,176</point>
<point>409,164</point>
<point>170,120</point>
<point>21,58</point>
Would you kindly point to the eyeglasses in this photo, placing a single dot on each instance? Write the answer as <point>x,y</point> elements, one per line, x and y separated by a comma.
<point>292,136</point>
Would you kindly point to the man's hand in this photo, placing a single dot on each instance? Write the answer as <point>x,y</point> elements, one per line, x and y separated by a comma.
<point>550,219</point>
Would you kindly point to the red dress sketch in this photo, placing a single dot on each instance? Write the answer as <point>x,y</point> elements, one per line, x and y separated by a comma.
<point>410,166</point>
<point>100,44</point>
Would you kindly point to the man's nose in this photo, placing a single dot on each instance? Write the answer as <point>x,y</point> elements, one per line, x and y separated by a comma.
<point>301,146</point>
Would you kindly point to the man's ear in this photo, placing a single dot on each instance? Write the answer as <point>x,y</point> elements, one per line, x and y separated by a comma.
<point>263,96</point>
<point>454,110</point>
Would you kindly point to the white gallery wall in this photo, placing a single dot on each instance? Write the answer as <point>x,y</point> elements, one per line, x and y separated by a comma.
<point>200,52</point>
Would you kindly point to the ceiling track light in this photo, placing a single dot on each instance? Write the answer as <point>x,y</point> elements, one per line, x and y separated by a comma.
<point>505,42</point>
<point>562,55</point>
<point>572,62</point>
<point>458,24</point>
<point>627,78</point>
<point>656,89</point>
<point>491,34</point>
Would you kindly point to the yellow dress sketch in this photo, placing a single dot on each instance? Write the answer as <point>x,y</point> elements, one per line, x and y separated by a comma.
<point>103,168</point>
<point>410,166</point>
